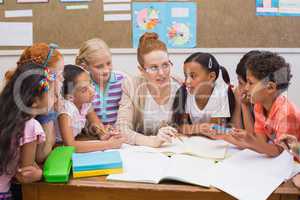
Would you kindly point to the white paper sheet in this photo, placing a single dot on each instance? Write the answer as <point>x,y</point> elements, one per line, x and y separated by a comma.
<point>117,17</point>
<point>116,7</point>
<point>32,1</point>
<point>289,6</point>
<point>72,1</point>
<point>190,169</point>
<point>116,1</point>
<point>18,13</point>
<point>296,170</point>
<point>267,3</point>
<point>248,175</point>
<point>198,146</point>
<point>155,167</point>
<point>180,12</point>
<point>16,34</point>
<point>195,146</point>
<point>141,167</point>
<point>77,7</point>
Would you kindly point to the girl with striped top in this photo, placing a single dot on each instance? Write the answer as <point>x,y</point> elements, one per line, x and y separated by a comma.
<point>95,56</point>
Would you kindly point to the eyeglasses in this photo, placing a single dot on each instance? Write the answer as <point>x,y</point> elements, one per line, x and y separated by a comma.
<point>155,68</point>
<point>52,47</point>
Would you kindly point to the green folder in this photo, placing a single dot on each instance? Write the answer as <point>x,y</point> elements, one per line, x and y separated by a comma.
<point>58,164</point>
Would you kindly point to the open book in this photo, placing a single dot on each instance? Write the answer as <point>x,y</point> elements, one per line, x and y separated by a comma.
<point>249,175</point>
<point>156,167</point>
<point>195,146</point>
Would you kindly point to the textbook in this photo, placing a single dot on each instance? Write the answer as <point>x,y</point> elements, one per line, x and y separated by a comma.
<point>99,172</point>
<point>57,166</point>
<point>96,163</point>
<point>195,146</point>
<point>147,167</point>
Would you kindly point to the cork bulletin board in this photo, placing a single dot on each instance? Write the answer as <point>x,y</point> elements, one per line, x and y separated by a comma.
<point>220,24</point>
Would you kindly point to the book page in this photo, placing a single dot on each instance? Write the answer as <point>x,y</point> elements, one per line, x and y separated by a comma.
<point>249,175</point>
<point>194,146</point>
<point>141,167</point>
<point>191,170</point>
<point>205,148</point>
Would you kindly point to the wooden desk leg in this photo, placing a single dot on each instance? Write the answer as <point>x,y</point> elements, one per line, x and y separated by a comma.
<point>30,192</point>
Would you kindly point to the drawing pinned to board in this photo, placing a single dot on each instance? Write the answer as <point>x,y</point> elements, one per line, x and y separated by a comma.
<point>175,23</point>
<point>32,1</point>
<point>147,18</point>
<point>278,7</point>
<point>179,34</point>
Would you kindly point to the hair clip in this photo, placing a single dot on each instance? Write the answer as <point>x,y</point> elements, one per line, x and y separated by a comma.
<point>52,47</point>
<point>43,85</point>
<point>210,63</point>
<point>47,77</point>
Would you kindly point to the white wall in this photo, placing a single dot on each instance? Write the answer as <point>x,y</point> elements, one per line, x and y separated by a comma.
<point>125,60</point>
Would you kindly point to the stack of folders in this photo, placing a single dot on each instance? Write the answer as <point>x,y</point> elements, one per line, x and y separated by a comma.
<point>96,163</point>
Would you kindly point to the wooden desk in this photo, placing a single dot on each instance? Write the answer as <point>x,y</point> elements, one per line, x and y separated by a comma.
<point>98,188</point>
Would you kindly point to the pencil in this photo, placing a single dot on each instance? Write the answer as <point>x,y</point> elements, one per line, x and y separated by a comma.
<point>178,136</point>
<point>100,130</point>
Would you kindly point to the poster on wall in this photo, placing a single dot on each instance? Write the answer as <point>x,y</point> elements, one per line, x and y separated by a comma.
<point>175,23</point>
<point>16,33</point>
<point>278,7</point>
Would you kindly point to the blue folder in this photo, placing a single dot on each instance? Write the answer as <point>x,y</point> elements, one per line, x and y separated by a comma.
<point>96,160</point>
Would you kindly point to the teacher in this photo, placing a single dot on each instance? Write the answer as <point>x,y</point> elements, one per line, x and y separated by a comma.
<point>146,104</point>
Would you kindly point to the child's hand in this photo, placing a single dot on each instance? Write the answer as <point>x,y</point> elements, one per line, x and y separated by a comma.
<point>290,143</point>
<point>206,130</point>
<point>29,174</point>
<point>110,132</point>
<point>116,141</point>
<point>287,141</point>
<point>242,95</point>
<point>242,137</point>
<point>97,130</point>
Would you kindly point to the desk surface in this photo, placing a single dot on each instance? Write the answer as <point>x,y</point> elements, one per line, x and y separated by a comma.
<point>99,188</point>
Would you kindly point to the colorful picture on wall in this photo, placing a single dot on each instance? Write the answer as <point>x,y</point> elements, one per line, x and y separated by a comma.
<point>175,23</point>
<point>278,7</point>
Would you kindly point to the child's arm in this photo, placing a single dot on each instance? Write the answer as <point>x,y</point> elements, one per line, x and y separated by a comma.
<point>66,131</point>
<point>96,127</point>
<point>29,171</point>
<point>236,118</point>
<point>247,118</point>
<point>256,142</point>
<point>242,109</point>
<point>45,148</point>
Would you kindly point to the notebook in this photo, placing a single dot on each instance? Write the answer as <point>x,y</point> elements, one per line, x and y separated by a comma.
<point>57,167</point>
<point>195,146</point>
<point>155,167</point>
<point>97,160</point>
<point>100,172</point>
<point>249,175</point>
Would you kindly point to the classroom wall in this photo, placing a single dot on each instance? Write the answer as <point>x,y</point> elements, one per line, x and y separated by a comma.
<point>125,60</point>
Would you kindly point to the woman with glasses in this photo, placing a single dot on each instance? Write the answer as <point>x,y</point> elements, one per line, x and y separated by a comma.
<point>146,103</point>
